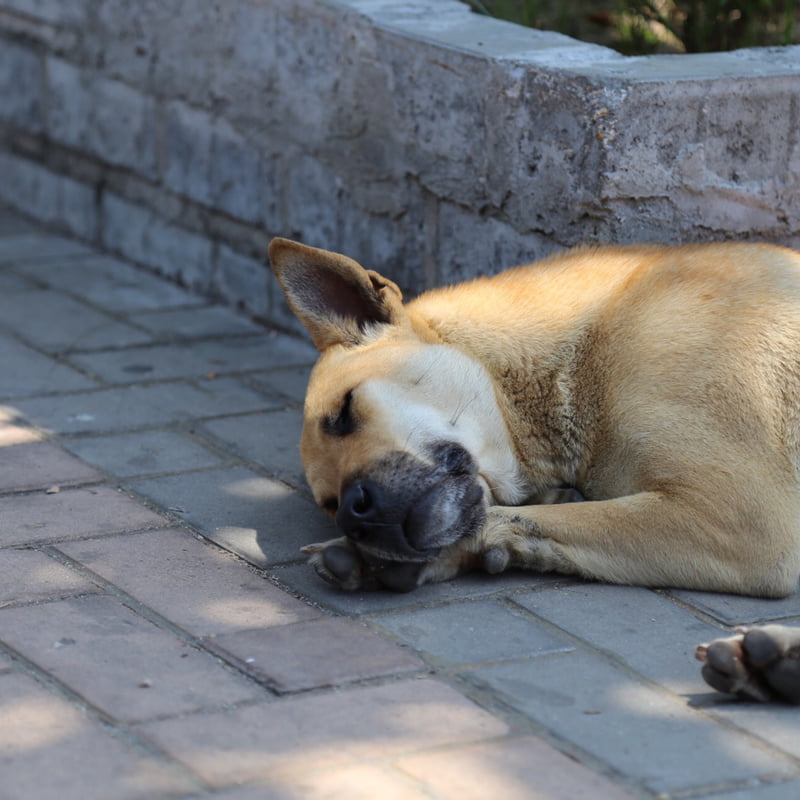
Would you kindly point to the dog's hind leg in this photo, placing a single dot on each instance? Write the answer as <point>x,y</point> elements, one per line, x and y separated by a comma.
<point>760,663</point>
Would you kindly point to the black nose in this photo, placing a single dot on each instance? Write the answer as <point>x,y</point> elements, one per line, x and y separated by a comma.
<point>361,505</point>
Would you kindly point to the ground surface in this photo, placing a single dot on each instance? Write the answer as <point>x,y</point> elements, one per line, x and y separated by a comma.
<point>160,636</point>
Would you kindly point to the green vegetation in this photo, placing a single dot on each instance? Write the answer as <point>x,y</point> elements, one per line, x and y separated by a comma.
<point>651,26</point>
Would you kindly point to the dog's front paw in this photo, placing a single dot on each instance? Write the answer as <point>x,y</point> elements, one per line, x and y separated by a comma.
<point>757,664</point>
<point>340,563</point>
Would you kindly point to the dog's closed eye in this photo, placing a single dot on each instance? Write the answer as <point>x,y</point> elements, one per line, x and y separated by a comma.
<point>344,422</point>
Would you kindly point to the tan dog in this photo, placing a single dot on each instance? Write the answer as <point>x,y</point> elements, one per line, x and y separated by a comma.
<point>661,385</point>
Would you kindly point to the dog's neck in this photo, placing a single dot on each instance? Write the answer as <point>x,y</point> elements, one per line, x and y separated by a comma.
<point>535,372</point>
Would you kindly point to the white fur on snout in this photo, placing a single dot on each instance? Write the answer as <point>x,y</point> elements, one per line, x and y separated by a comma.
<point>441,395</point>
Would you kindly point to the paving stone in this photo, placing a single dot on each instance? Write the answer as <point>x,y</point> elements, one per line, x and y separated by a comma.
<point>733,609</point>
<point>303,580</point>
<point>35,246</point>
<point>62,324</point>
<point>195,323</point>
<point>28,575</point>
<point>271,440</point>
<point>134,407</point>
<point>321,652</point>
<point>14,428</point>
<point>775,791</point>
<point>143,453</point>
<point>13,224</point>
<point>514,769</point>
<point>256,742</point>
<point>50,749</point>
<point>120,661</point>
<point>10,282</point>
<point>639,731</point>
<point>291,382</point>
<point>195,359</point>
<point>27,372</point>
<point>111,284</point>
<point>355,782</point>
<point>652,634</point>
<point>195,585</point>
<point>777,724</point>
<point>40,465</point>
<point>70,514</point>
<point>263,521</point>
<point>471,632</point>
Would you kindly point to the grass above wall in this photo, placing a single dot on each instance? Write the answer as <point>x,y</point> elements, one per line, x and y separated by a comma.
<point>637,27</point>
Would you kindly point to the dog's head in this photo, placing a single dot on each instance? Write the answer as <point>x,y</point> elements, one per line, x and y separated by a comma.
<point>403,441</point>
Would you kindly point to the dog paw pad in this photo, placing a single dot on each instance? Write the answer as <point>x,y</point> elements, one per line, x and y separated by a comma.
<point>758,664</point>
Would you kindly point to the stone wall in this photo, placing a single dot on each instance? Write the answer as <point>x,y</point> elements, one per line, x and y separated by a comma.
<point>425,141</point>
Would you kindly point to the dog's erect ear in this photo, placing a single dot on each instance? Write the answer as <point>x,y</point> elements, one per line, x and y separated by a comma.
<point>333,296</point>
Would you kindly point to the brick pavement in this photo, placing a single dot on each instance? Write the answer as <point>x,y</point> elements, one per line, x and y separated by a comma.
<point>160,637</point>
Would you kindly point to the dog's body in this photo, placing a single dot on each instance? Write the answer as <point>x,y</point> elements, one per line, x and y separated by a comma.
<point>661,385</point>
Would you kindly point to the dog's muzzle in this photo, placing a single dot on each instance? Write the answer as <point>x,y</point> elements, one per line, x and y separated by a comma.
<point>405,509</point>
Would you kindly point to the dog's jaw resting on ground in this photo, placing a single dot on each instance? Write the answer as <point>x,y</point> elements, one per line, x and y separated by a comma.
<point>659,385</point>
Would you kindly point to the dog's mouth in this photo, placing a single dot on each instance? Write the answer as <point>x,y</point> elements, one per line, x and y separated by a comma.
<point>401,508</point>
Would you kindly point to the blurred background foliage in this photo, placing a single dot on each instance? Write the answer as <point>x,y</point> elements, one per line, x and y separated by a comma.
<point>640,27</point>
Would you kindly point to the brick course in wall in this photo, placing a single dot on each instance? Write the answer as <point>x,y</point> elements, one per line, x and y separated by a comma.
<point>425,141</point>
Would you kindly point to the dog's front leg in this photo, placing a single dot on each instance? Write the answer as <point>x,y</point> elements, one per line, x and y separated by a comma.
<point>648,539</point>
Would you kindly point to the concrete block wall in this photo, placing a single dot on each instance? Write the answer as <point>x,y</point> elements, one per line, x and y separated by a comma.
<point>425,141</point>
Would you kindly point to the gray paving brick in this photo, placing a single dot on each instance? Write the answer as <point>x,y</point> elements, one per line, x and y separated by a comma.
<point>354,781</point>
<point>10,282</point>
<point>69,514</point>
<point>641,732</point>
<point>321,652</point>
<point>472,632</point>
<point>12,224</point>
<point>359,724</point>
<point>646,630</point>
<point>144,453</point>
<point>119,661</point>
<point>111,283</point>
<point>271,440</point>
<point>193,360</point>
<point>62,324</point>
<point>291,382</point>
<point>733,609</point>
<point>134,407</point>
<point>512,769</point>
<point>14,429</point>
<point>36,246</point>
<point>28,575</point>
<point>263,521</point>
<point>49,749</point>
<point>778,725</point>
<point>27,372</point>
<point>195,323</point>
<point>40,465</point>
<point>306,582</point>
<point>775,791</point>
<point>195,585</point>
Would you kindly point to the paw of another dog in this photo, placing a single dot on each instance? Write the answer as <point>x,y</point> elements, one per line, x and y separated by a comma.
<point>760,663</point>
<point>341,564</point>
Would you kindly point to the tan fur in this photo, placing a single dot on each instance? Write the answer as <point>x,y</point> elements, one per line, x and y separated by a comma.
<point>663,383</point>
